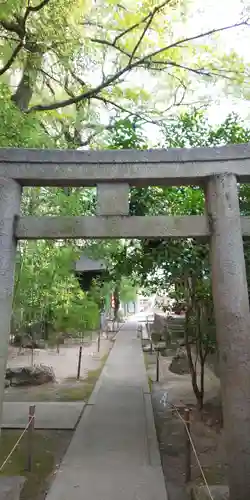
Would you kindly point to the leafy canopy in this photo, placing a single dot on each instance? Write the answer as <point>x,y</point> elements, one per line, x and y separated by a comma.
<point>97,59</point>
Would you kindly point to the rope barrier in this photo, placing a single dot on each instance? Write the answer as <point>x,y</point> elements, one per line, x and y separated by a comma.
<point>16,444</point>
<point>165,402</point>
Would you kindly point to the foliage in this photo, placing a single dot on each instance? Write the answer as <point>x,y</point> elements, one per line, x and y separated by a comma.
<point>99,60</point>
<point>155,261</point>
<point>183,265</point>
<point>128,290</point>
<point>54,299</point>
<point>18,129</point>
<point>54,296</point>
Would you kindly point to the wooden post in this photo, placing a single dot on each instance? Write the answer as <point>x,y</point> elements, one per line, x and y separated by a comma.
<point>157,365</point>
<point>187,446</point>
<point>99,341</point>
<point>32,356</point>
<point>10,196</point>
<point>79,363</point>
<point>30,432</point>
<point>232,317</point>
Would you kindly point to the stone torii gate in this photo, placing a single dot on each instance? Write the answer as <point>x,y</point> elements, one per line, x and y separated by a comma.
<point>217,170</point>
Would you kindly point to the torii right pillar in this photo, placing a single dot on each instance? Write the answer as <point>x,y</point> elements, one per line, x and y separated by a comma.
<point>231,306</point>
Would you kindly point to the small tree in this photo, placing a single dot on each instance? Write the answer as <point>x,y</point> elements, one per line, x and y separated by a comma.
<point>199,330</point>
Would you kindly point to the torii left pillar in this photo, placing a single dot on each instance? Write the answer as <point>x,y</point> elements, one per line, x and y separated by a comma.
<point>10,198</point>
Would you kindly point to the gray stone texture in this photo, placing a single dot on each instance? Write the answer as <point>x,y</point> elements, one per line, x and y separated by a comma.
<point>232,317</point>
<point>111,227</point>
<point>30,375</point>
<point>10,195</point>
<point>48,415</point>
<point>117,227</point>
<point>11,487</point>
<point>180,363</point>
<point>153,167</point>
<point>112,199</point>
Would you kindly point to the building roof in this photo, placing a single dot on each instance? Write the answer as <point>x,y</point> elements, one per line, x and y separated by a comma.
<point>86,264</point>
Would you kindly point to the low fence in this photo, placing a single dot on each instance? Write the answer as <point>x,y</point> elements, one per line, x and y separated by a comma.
<point>189,443</point>
<point>29,433</point>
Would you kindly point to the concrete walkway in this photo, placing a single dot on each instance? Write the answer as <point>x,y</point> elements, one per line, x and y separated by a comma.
<point>114,452</point>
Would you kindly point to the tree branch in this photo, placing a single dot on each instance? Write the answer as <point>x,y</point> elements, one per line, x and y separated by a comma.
<point>195,37</point>
<point>46,74</point>
<point>149,21</point>
<point>136,25</point>
<point>92,24</point>
<point>88,94</point>
<point>38,7</point>
<point>125,110</point>
<point>12,27</point>
<point>8,38</point>
<point>77,78</point>
<point>85,95</point>
<point>197,71</point>
<point>12,58</point>
<point>110,44</point>
<point>19,28</point>
<point>141,116</point>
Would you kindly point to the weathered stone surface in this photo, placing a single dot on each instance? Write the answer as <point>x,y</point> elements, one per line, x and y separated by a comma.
<point>159,329</point>
<point>160,323</point>
<point>218,492</point>
<point>156,337</point>
<point>112,226</point>
<point>30,375</point>
<point>48,415</point>
<point>112,199</point>
<point>147,348</point>
<point>154,167</point>
<point>11,487</point>
<point>29,227</point>
<point>232,318</point>
<point>179,363</point>
<point>176,325</point>
<point>10,195</point>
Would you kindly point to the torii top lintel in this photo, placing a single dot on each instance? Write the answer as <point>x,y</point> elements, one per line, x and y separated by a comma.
<point>38,167</point>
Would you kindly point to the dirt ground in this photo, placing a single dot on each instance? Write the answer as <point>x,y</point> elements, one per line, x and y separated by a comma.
<point>206,431</point>
<point>64,365</point>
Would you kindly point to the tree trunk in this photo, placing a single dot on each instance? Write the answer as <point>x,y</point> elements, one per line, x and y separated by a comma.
<point>192,367</point>
<point>25,89</point>
<point>202,385</point>
<point>201,357</point>
<point>116,302</point>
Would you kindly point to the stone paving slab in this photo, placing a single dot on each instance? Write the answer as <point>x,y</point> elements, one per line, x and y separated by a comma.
<point>49,415</point>
<point>114,453</point>
<point>105,483</point>
<point>11,486</point>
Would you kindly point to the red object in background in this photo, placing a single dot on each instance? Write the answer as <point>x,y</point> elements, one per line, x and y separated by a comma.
<point>112,301</point>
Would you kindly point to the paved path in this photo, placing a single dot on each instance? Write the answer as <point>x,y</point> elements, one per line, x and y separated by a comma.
<point>48,415</point>
<point>114,452</point>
